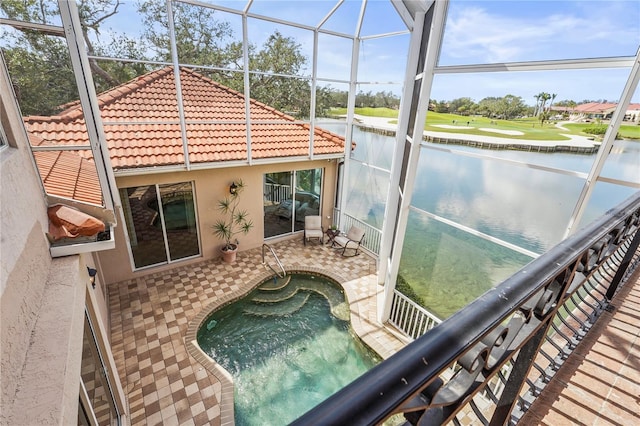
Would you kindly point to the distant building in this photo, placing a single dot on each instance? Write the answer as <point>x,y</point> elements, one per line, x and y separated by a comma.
<point>597,111</point>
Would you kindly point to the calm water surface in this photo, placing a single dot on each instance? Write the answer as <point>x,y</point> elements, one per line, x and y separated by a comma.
<point>287,351</point>
<point>530,208</point>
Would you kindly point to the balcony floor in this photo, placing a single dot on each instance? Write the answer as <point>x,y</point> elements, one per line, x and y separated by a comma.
<point>150,316</point>
<point>599,383</point>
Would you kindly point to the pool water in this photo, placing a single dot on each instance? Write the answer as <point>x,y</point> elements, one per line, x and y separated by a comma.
<point>287,348</point>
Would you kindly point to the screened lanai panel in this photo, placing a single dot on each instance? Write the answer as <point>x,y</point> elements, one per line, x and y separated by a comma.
<point>291,11</point>
<point>41,72</point>
<point>382,62</point>
<point>129,31</point>
<point>279,98</point>
<point>522,206</point>
<point>210,38</point>
<point>334,57</point>
<point>381,17</point>
<point>344,19</point>
<point>330,118</point>
<point>521,98</point>
<point>445,268</point>
<point>373,146</point>
<point>604,196</point>
<point>273,38</point>
<point>44,12</point>
<point>366,194</point>
<point>623,162</point>
<point>331,101</point>
<point>280,70</point>
<point>43,82</point>
<point>480,32</point>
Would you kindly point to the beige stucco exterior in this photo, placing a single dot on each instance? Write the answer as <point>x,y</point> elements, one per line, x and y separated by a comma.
<point>42,300</point>
<point>210,186</point>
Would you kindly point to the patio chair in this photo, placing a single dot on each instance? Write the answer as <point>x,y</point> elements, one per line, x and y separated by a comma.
<point>351,240</point>
<point>313,228</point>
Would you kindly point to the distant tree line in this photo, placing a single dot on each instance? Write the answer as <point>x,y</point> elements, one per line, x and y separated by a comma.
<point>333,98</point>
<point>43,78</point>
<point>507,107</point>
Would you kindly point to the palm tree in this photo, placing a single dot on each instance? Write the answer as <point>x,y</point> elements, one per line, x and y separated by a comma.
<point>544,97</point>
<point>553,96</point>
<point>535,111</point>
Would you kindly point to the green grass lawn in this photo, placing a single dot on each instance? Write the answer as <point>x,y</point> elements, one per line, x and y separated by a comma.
<point>530,127</point>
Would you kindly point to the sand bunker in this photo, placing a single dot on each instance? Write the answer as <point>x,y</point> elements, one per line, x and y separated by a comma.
<point>449,126</point>
<point>504,132</point>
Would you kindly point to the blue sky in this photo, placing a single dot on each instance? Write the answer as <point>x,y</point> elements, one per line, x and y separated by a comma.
<point>477,32</point>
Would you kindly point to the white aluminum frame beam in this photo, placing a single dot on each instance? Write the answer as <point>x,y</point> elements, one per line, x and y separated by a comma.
<point>605,148</point>
<point>52,30</point>
<point>561,64</point>
<point>176,77</point>
<point>396,229</point>
<point>89,102</point>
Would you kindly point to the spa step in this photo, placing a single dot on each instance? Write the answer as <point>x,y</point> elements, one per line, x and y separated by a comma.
<point>275,284</point>
<point>275,296</point>
<point>334,296</point>
<point>286,307</point>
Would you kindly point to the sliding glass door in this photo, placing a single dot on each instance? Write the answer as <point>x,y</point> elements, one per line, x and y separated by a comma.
<point>161,223</point>
<point>288,198</point>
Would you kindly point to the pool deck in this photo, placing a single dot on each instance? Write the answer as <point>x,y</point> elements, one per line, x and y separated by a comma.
<point>153,319</point>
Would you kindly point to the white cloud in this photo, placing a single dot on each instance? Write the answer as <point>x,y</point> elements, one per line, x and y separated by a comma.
<point>490,32</point>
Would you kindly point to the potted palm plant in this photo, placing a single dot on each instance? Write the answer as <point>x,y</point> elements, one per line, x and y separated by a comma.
<point>236,221</point>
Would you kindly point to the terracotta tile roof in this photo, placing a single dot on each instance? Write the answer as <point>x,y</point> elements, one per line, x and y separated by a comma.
<point>67,174</point>
<point>141,124</point>
<point>594,107</point>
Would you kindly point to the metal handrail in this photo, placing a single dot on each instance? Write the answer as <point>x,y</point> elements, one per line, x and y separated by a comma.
<point>497,340</point>
<point>275,256</point>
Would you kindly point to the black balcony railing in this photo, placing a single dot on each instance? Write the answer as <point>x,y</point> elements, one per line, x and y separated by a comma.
<point>491,359</point>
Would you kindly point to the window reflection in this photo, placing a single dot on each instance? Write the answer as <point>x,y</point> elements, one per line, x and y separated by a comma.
<point>288,198</point>
<point>527,207</point>
<point>161,222</point>
<point>95,381</point>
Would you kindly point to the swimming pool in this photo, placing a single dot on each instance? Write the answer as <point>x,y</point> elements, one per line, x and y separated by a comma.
<point>288,345</point>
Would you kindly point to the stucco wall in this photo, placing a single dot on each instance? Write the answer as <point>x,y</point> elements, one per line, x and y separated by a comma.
<point>23,246</point>
<point>49,378</point>
<point>42,300</point>
<point>210,186</point>
<point>21,194</point>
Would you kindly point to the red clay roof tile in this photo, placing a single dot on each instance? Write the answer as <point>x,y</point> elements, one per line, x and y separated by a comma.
<point>141,125</point>
<point>66,174</point>
<point>152,98</point>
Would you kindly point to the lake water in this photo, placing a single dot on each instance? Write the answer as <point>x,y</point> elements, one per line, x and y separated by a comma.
<point>530,208</point>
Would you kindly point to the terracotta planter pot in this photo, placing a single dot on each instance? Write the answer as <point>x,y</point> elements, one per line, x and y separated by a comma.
<point>229,256</point>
